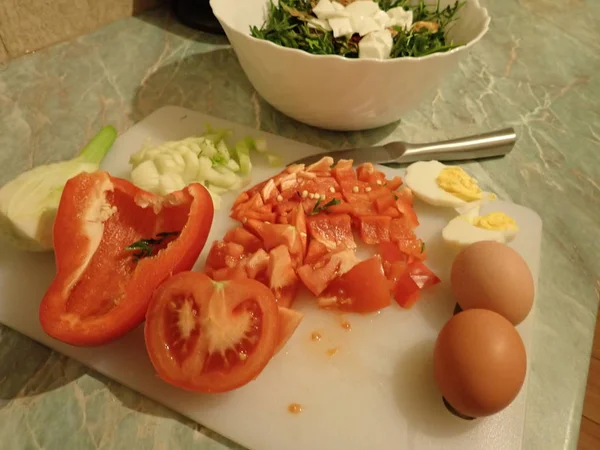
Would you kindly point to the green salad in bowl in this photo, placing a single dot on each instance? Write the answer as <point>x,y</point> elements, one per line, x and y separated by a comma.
<point>377,29</point>
<point>350,64</point>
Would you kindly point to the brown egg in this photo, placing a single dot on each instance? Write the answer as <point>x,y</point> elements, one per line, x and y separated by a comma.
<point>491,275</point>
<point>479,362</point>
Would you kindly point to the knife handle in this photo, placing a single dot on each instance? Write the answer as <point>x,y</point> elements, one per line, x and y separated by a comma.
<point>486,145</point>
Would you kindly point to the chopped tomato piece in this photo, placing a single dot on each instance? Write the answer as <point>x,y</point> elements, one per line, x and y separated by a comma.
<point>414,248</point>
<point>228,273</point>
<point>344,164</point>
<point>316,277</point>
<point>409,280</point>
<point>379,191</point>
<point>390,252</point>
<point>362,289</point>
<point>315,251</point>
<point>208,336</point>
<point>383,202</point>
<point>224,255</point>
<point>243,237</point>
<point>322,165</point>
<point>341,208</point>
<point>257,263</point>
<point>285,207</point>
<point>282,277</point>
<point>298,219</point>
<point>289,320</point>
<point>399,231</point>
<point>269,192</point>
<point>375,229</point>
<point>343,175</point>
<point>406,195</point>
<point>242,198</point>
<point>274,234</point>
<point>407,213</point>
<point>334,231</point>
<point>366,172</point>
<point>365,208</point>
<point>394,183</point>
<point>392,212</point>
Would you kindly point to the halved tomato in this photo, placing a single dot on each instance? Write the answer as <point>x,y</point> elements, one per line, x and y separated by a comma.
<point>362,289</point>
<point>208,336</point>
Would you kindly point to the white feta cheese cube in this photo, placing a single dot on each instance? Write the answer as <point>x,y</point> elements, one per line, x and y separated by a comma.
<point>400,18</point>
<point>376,45</point>
<point>327,10</point>
<point>382,19</point>
<point>341,26</point>
<point>364,25</point>
<point>338,6</point>
<point>363,8</point>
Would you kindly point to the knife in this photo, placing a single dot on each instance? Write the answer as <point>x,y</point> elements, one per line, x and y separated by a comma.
<point>486,145</point>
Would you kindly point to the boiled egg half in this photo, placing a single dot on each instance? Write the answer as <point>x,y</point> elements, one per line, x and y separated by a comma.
<point>470,227</point>
<point>441,185</point>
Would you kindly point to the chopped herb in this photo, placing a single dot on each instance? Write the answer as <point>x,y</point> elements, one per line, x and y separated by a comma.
<point>422,247</point>
<point>395,197</point>
<point>146,247</point>
<point>290,24</point>
<point>318,208</point>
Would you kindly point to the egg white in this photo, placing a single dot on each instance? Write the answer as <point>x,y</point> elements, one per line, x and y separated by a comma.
<point>460,231</point>
<point>421,178</point>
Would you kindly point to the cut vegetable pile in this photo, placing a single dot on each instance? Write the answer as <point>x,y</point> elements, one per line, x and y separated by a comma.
<point>205,159</point>
<point>298,228</point>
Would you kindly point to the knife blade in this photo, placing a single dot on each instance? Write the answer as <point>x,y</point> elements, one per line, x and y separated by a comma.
<point>486,145</point>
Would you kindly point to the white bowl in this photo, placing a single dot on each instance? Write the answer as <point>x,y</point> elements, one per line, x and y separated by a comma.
<point>337,93</point>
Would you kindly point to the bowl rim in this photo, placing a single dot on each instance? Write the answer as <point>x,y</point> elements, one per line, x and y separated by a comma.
<point>291,51</point>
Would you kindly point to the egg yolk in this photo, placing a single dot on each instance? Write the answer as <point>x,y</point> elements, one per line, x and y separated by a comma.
<point>496,221</point>
<point>457,182</point>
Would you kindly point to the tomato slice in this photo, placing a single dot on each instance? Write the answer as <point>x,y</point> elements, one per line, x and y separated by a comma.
<point>334,231</point>
<point>208,336</point>
<point>362,289</point>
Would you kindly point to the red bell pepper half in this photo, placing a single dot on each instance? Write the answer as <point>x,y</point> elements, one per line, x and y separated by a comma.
<point>114,245</point>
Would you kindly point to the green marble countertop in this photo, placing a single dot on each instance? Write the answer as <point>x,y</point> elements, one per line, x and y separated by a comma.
<point>536,70</point>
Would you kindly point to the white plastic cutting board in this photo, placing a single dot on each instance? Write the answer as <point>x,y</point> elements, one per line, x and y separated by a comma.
<point>376,392</point>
